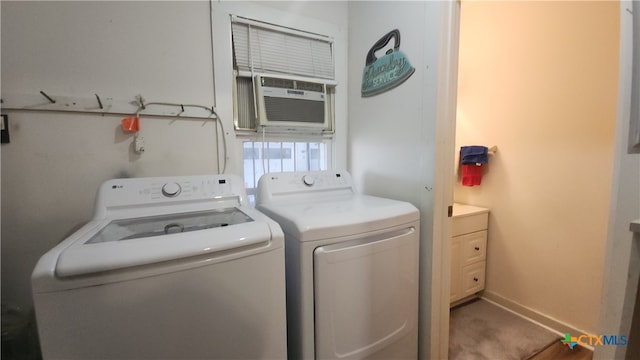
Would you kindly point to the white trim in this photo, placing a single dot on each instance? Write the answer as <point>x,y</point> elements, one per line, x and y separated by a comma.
<point>328,82</point>
<point>444,179</point>
<point>521,316</point>
<point>615,312</point>
<point>634,117</point>
<point>534,316</point>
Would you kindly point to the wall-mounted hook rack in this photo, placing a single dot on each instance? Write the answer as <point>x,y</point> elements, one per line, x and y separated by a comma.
<point>140,102</point>
<point>99,102</point>
<point>48,97</point>
<point>106,105</point>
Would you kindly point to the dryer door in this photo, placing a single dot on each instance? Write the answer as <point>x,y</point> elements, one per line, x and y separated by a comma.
<point>366,296</point>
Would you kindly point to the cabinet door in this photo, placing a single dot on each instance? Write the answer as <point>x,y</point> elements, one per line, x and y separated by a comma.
<point>473,247</point>
<point>456,273</point>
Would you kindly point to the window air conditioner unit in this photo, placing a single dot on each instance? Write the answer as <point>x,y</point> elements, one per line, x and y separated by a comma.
<point>287,104</point>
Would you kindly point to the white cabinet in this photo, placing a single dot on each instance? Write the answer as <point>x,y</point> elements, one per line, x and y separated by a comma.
<point>468,252</point>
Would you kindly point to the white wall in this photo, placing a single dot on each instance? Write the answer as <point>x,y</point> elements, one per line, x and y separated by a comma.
<point>161,50</point>
<point>539,80</point>
<point>392,135</point>
<point>56,161</point>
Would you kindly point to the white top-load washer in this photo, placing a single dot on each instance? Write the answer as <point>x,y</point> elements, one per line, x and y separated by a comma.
<point>352,267</point>
<point>168,268</point>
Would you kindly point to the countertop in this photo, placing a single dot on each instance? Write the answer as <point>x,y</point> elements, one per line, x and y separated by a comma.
<point>461,210</point>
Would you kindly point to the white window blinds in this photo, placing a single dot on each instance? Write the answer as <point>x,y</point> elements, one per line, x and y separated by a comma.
<point>261,47</point>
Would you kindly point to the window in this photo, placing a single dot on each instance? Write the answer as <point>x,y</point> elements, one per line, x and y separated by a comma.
<point>273,51</point>
<point>276,156</point>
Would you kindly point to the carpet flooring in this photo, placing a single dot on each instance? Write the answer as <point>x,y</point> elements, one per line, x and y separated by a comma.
<point>480,330</point>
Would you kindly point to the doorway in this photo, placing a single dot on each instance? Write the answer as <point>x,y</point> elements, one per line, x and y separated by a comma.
<point>526,85</point>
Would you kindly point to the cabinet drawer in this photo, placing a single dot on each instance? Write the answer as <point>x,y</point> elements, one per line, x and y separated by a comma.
<point>474,247</point>
<point>469,223</point>
<point>473,278</point>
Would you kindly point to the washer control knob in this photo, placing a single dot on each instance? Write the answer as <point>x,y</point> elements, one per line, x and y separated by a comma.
<point>308,180</point>
<point>171,189</point>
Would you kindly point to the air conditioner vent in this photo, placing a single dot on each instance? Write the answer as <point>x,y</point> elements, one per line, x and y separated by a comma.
<point>294,110</point>
<point>291,84</point>
<point>309,86</point>
<point>278,83</point>
<point>291,104</point>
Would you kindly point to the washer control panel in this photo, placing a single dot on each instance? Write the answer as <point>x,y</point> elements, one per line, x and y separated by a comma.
<point>152,190</point>
<point>308,180</point>
<point>171,189</point>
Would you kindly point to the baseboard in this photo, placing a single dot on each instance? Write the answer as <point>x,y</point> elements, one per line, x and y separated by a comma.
<point>539,318</point>
<point>463,301</point>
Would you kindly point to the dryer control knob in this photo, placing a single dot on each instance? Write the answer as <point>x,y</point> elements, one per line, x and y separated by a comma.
<point>308,180</point>
<point>171,189</point>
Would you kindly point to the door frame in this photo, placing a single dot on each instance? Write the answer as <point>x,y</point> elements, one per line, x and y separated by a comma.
<point>444,180</point>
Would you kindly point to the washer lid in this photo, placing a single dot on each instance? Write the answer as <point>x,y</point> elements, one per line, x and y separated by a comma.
<point>150,226</point>
<point>340,216</point>
<point>119,244</point>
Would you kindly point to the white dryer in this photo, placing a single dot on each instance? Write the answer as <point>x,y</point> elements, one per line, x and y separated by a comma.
<point>168,268</point>
<point>352,267</point>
